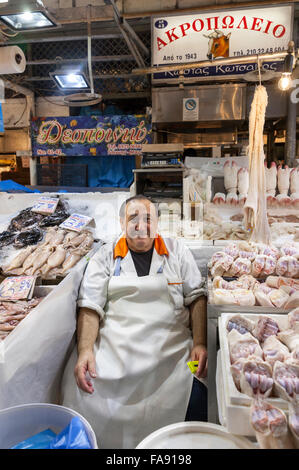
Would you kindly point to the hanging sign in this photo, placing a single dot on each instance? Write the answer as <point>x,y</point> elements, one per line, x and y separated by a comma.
<point>219,34</point>
<point>90,135</point>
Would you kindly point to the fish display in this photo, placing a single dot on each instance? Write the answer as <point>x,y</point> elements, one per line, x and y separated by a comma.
<point>27,227</point>
<point>12,313</point>
<point>53,257</point>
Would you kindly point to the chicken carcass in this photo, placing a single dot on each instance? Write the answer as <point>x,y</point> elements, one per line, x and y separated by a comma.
<point>294,180</point>
<point>271,178</point>
<point>219,199</point>
<point>240,323</point>
<point>287,266</point>
<point>264,328</point>
<point>256,378</point>
<point>270,426</point>
<point>255,209</point>
<point>274,350</point>
<point>283,179</point>
<point>290,338</point>
<point>243,184</point>
<point>242,346</point>
<point>231,176</point>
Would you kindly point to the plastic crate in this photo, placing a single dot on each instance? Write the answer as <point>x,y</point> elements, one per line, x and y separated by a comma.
<point>62,175</point>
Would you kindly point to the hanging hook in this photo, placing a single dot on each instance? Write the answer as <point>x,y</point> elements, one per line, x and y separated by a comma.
<point>259,69</point>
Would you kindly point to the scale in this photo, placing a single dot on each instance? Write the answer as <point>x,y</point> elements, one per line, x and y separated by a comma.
<point>162,156</point>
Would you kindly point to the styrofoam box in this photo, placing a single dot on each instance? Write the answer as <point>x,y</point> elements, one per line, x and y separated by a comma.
<point>234,405</point>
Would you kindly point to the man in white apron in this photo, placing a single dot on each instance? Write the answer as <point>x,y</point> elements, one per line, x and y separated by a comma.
<point>128,375</point>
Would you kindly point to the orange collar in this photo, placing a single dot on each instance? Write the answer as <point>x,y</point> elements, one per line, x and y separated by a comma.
<point>121,248</point>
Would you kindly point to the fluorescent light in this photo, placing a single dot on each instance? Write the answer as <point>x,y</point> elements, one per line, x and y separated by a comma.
<point>285,81</point>
<point>70,80</point>
<point>28,20</point>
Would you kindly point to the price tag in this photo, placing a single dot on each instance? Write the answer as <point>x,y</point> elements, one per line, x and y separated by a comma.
<point>17,288</point>
<point>76,222</point>
<point>45,205</point>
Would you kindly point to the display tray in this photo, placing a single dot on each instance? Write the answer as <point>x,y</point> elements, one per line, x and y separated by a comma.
<point>236,405</point>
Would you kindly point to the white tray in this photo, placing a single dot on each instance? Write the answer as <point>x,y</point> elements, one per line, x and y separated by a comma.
<point>234,405</point>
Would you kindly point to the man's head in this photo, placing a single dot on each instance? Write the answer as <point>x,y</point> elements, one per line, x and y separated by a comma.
<point>139,221</point>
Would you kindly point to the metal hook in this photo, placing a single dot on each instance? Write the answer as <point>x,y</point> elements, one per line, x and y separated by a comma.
<point>259,69</point>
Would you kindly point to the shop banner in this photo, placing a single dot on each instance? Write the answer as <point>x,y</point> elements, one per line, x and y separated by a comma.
<point>219,34</point>
<point>90,135</point>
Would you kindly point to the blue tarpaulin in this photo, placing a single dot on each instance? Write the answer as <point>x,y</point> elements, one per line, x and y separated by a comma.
<point>10,185</point>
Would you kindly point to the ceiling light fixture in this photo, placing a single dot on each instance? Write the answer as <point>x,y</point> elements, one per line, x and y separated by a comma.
<point>285,81</point>
<point>28,16</point>
<point>70,79</point>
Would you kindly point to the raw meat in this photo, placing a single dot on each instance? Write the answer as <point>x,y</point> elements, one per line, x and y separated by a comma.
<point>232,250</point>
<point>256,378</point>
<point>286,379</point>
<point>293,301</point>
<point>232,199</point>
<point>283,179</point>
<point>279,281</point>
<point>18,261</point>
<point>242,346</point>
<point>295,200</point>
<point>279,298</point>
<point>41,258</point>
<point>293,318</point>
<point>290,338</point>
<point>240,267</point>
<point>274,350</point>
<point>219,199</point>
<point>294,421</point>
<point>233,297</point>
<point>264,328</point>
<point>294,180</point>
<point>283,200</point>
<point>55,259</point>
<point>270,425</point>
<point>255,208</point>
<point>263,265</point>
<point>290,250</point>
<point>28,237</point>
<point>262,298</point>
<point>240,323</point>
<point>287,266</point>
<point>230,176</point>
<point>243,184</point>
<point>271,179</point>
<point>222,265</point>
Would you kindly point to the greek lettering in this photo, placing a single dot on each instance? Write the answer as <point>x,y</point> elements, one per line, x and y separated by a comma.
<point>279,35</point>
<point>100,135</point>
<point>215,25</point>
<point>108,135</point>
<point>268,26</point>
<point>244,21</point>
<point>230,24</point>
<point>255,23</point>
<point>171,36</point>
<point>184,27</point>
<point>201,23</point>
<point>161,43</point>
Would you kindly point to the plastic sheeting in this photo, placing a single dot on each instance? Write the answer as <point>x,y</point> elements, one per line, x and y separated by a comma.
<point>33,356</point>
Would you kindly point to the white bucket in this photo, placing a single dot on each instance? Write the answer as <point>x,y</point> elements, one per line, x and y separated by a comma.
<point>194,435</point>
<point>23,421</point>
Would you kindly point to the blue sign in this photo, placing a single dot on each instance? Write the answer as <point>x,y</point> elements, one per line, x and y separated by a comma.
<point>160,24</point>
<point>229,70</point>
<point>1,120</point>
<point>90,135</point>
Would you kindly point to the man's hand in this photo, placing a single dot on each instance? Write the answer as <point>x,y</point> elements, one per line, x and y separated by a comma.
<point>85,363</point>
<point>199,353</point>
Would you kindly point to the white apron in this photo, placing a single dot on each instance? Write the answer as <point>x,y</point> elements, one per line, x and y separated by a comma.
<point>143,382</point>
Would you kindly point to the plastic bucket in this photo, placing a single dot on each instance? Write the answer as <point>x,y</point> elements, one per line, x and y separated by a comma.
<point>194,435</point>
<point>23,421</point>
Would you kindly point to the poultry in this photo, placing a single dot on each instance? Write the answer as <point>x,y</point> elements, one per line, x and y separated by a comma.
<point>287,266</point>
<point>279,281</point>
<point>293,319</point>
<point>255,209</point>
<point>290,338</point>
<point>264,328</point>
<point>240,267</point>
<point>231,169</point>
<point>242,346</point>
<point>271,178</point>
<point>294,181</point>
<point>256,378</point>
<point>219,199</point>
<point>233,297</point>
<point>286,379</point>
<point>232,199</point>
<point>283,179</point>
<point>243,185</point>
<point>240,323</point>
<point>274,350</point>
<point>270,426</point>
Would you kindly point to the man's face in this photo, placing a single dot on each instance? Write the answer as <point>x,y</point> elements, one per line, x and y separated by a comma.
<point>140,224</point>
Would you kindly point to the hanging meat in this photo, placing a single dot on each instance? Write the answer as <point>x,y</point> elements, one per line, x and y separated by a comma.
<point>255,209</point>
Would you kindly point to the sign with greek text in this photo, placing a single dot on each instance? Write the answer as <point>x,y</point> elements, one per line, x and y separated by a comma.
<point>219,34</point>
<point>90,135</point>
<point>45,205</point>
<point>76,222</point>
<point>17,288</point>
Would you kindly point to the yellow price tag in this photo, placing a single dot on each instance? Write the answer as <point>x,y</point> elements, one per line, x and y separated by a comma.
<point>193,366</point>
